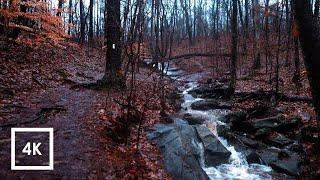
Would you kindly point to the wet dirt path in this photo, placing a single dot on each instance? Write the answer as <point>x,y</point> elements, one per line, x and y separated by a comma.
<point>77,151</point>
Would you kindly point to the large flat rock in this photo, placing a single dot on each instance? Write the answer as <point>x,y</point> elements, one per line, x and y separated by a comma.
<point>214,151</point>
<point>183,145</point>
<point>180,147</point>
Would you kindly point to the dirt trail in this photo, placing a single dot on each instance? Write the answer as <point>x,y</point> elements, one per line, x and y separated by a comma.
<point>77,152</point>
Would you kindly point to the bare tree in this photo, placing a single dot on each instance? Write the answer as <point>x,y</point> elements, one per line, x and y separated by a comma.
<point>187,19</point>
<point>70,16</point>
<point>90,36</point>
<point>234,34</point>
<point>60,6</point>
<point>256,25</point>
<point>82,23</point>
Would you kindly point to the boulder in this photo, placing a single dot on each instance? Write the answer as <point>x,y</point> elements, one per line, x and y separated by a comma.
<point>181,151</point>
<point>193,120</point>
<point>305,116</point>
<point>210,104</point>
<point>250,142</point>
<point>268,155</point>
<point>238,122</point>
<point>254,158</point>
<point>287,164</point>
<point>281,109</point>
<point>278,140</point>
<point>202,91</point>
<point>216,90</point>
<point>298,148</point>
<point>214,151</point>
<point>288,124</point>
<point>262,133</point>
<point>235,117</point>
<point>223,130</point>
<point>244,143</point>
<point>270,122</point>
<point>311,134</point>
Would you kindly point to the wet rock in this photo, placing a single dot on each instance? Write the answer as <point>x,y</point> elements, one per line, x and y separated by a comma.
<point>288,125</point>
<point>310,134</point>
<point>250,142</point>
<point>222,90</point>
<point>214,151</point>
<point>179,144</point>
<point>238,122</point>
<point>259,110</point>
<point>280,176</point>
<point>202,91</point>
<point>176,100</point>
<point>262,133</point>
<point>217,90</point>
<point>222,130</point>
<point>278,140</point>
<point>193,120</point>
<point>210,104</point>
<point>283,154</point>
<point>209,81</point>
<point>235,117</point>
<point>269,155</point>
<point>237,144</point>
<point>305,116</point>
<point>298,148</point>
<point>254,158</point>
<point>245,141</point>
<point>281,109</point>
<point>271,122</point>
<point>287,164</point>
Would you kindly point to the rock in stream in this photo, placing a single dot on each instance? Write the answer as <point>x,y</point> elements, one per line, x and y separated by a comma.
<point>180,144</point>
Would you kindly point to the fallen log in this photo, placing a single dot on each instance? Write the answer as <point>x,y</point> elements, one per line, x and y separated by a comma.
<point>297,99</point>
<point>190,55</point>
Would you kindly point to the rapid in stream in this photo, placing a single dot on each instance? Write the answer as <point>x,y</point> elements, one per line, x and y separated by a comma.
<point>238,167</point>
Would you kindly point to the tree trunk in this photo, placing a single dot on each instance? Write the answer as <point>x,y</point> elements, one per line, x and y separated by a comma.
<point>70,16</point>
<point>113,75</point>
<point>316,8</point>
<point>234,33</point>
<point>246,23</point>
<point>90,36</point>
<point>82,23</point>
<point>217,18</point>
<point>296,76</point>
<point>288,27</point>
<point>188,26</point>
<point>60,5</point>
<point>255,22</point>
<point>267,35</point>
<point>310,42</point>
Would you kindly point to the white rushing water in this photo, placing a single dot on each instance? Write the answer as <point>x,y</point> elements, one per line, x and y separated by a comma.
<point>238,167</point>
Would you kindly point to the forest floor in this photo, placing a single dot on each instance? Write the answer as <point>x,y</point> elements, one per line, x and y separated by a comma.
<point>37,89</point>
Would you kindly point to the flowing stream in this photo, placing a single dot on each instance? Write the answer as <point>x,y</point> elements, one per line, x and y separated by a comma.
<point>238,167</point>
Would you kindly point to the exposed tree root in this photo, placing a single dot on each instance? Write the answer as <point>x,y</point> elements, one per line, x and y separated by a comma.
<point>41,115</point>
